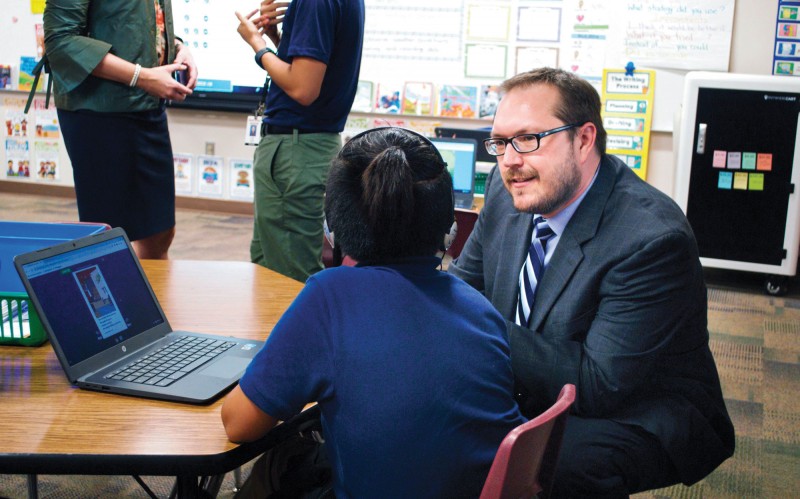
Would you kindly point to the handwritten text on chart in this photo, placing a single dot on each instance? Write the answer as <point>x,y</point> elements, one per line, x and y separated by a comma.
<point>690,35</point>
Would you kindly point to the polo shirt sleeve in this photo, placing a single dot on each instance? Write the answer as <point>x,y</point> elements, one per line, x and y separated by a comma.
<point>72,55</point>
<point>295,365</point>
<point>313,29</point>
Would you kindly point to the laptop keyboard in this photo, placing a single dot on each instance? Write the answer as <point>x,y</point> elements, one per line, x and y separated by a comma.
<point>171,362</point>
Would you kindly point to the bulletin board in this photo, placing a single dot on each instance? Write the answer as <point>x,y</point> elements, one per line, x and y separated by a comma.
<point>482,42</point>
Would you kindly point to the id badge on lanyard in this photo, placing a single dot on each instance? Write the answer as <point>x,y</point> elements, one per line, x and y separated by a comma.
<point>252,131</point>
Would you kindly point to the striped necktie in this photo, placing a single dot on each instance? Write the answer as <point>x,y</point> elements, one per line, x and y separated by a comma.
<point>532,270</point>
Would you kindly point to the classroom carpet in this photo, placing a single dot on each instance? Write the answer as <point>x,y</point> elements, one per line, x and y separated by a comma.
<point>755,339</point>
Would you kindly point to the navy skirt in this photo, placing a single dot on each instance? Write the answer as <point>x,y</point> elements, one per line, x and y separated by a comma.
<point>123,169</point>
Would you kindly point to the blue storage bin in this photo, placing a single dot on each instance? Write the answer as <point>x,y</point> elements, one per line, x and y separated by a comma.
<point>19,324</point>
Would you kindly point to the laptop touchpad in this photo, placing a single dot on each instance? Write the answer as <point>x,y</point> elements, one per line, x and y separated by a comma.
<point>226,367</point>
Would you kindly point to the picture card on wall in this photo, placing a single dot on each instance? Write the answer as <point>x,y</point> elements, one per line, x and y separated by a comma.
<point>363,101</point>
<point>418,98</point>
<point>209,176</point>
<point>46,160</point>
<point>458,101</point>
<point>490,98</point>
<point>387,99</point>
<point>241,179</point>
<point>184,172</point>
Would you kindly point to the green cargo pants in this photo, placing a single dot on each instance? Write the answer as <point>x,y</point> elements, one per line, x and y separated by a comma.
<point>290,172</point>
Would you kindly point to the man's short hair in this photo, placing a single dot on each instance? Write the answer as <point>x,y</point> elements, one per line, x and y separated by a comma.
<point>579,99</point>
<point>389,195</point>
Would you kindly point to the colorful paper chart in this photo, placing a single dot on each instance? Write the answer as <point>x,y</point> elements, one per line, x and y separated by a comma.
<point>628,115</point>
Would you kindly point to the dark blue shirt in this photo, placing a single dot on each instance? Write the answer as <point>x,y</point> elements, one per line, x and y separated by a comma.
<point>330,31</point>
<point>412,372</point>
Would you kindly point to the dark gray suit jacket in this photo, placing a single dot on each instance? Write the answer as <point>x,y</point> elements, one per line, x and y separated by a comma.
<point>620,313</point>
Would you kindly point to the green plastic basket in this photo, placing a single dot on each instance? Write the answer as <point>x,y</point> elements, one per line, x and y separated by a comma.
<point>19,323</point>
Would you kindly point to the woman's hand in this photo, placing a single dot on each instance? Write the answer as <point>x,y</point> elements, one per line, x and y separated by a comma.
<point>184,57</point>
<point>159,82</point>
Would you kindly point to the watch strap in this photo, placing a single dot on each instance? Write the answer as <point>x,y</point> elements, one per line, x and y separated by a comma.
<point>261,53</point>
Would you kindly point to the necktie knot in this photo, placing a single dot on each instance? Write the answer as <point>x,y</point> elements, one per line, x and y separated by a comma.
<point>543,230</point>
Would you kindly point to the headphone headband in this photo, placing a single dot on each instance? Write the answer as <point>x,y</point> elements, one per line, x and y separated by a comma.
<point>424,139</point>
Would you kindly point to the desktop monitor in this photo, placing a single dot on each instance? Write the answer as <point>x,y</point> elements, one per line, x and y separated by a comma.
<point>459,154</point>
<point>466,133</point>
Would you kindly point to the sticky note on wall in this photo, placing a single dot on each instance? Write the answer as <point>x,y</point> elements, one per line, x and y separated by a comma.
<point>756,182</point>
<point>719,159</point>
<point>748,161</point>
<point>725,180</point>
<point>764,162</point>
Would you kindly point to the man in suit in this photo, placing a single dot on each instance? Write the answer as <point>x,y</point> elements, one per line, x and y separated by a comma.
<point>620,307</point>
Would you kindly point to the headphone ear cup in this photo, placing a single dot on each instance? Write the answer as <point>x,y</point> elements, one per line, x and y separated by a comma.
<point>450,236</point>
<point>328,232</point>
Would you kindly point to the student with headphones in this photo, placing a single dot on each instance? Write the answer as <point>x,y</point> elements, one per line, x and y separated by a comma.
<point>409,365</point>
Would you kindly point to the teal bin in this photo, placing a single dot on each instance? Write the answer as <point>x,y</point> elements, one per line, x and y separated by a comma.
<point>19,323</point>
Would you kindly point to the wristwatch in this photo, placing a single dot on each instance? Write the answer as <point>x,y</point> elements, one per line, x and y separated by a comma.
<point>261,53</point>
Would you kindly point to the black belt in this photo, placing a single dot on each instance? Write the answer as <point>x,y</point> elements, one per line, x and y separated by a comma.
<point>268,129</point>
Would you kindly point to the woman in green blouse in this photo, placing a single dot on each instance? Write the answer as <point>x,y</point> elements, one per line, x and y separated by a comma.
<point>112,65</point>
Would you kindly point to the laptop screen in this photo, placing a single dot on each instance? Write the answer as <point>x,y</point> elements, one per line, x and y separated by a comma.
<point>93,297</point>
<point>459,154</point>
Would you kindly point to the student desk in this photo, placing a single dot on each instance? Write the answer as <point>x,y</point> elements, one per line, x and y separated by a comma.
<point>50,427</point>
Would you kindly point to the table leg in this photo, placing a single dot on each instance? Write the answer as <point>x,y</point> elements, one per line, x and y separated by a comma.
<point>33,487</point>
<point>188,487</point>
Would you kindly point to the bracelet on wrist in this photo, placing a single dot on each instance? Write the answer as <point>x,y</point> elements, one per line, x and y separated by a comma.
<point>261,53</point>
<point>136,71</point>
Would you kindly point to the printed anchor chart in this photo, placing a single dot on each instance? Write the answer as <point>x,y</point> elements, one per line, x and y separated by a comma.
<point>627,115</point>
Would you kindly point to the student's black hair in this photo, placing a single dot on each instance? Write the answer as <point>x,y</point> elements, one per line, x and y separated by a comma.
<point>389,195</point>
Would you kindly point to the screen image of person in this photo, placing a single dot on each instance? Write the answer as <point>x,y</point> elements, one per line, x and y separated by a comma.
<point>409,365</point>
<point>598,277</point>
<point>110,88</point>
<point>314,76</point>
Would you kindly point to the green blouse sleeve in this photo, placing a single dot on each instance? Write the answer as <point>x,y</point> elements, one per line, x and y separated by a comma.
<point>72,54</point>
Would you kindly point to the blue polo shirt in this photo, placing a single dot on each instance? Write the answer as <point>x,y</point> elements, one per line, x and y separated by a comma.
<point>330,31</point>
<point>412,372</point>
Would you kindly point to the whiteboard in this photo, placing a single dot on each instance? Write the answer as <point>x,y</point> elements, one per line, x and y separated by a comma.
<point>483,42</point>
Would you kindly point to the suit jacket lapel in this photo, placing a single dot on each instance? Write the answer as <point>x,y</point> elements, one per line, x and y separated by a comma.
<point>569,253</point>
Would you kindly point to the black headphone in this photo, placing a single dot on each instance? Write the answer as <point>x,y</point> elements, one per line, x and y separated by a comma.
<point>451,234</point>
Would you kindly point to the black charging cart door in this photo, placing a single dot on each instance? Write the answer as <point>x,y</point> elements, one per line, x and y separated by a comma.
<point>741,198</point>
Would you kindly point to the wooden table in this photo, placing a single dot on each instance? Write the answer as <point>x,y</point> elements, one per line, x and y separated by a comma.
<point>50,427</point>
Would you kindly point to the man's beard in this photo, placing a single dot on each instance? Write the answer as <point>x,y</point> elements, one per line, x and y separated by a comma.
<point>565,183</point>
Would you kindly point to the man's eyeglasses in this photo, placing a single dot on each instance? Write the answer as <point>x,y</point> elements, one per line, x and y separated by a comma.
<point>527,142</point>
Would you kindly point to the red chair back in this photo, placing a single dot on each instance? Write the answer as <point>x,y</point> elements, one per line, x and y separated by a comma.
<point>466,221</point>
<point>525,462</point>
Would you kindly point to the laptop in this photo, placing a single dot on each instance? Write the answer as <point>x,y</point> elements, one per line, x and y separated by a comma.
<point>109,331</point>
<point>459,154</point>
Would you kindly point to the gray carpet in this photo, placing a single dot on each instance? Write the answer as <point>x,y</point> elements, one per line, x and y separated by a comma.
<point>755,339</point>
